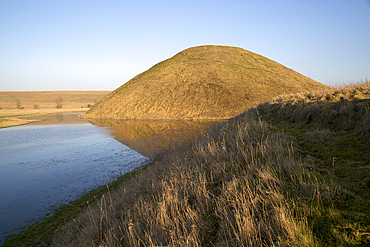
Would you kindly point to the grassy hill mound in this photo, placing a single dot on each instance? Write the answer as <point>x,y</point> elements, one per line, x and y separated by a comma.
<point>202,82</point>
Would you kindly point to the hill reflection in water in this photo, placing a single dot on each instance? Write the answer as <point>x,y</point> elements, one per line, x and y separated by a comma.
<point>149,137</point>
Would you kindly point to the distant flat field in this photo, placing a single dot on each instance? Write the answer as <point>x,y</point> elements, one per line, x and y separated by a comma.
<point>50,99</point>
<point>17,105</point>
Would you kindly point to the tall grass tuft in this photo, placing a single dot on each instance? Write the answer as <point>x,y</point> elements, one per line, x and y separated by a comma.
<point>342,108</point>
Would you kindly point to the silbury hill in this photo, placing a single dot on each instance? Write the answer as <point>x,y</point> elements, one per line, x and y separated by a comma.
<point>202,82</point>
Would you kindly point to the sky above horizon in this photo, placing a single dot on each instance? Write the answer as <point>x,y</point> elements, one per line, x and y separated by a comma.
<point>100,45</point>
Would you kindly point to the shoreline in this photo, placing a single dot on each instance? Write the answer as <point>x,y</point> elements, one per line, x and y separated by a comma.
<point>66,213</point>
<point>17,117</point>
<point>155,118</point>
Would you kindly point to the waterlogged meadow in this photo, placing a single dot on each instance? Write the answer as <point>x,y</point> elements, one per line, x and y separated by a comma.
<point>44,166</point>
<point>60,157</point>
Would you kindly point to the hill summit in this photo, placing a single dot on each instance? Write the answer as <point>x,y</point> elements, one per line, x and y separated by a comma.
<point>202,82</point>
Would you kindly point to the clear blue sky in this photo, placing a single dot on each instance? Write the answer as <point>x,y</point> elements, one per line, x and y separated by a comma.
<point>100,45</point>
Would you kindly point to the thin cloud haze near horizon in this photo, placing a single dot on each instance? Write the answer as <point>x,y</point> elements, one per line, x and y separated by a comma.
<point>95,45</point>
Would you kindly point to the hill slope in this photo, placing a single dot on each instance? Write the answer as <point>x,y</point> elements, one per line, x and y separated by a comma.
<point>202,82</point>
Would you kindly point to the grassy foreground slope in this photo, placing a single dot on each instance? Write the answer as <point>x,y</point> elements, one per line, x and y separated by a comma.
<point>202,82</point>
<point>291,172</point>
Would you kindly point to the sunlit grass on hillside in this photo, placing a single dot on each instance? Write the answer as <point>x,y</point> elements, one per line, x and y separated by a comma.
<point>343,108</point>
<point>205,82</point>
<point>350,92</point>
<point>291,172</point>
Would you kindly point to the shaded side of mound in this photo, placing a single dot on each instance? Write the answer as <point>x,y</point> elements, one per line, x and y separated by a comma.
<point>202,82</point>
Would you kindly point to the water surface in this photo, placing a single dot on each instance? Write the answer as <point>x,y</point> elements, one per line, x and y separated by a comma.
<point>51,162</point>
<point>149,137</point>
<point>45,166</point>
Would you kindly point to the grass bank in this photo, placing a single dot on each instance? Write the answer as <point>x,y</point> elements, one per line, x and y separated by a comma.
<point>291,172</point>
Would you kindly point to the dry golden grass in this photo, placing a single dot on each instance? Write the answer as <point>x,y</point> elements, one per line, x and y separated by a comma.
<point>342,108</point>
<point>350,92</point>
<point>202,82</point>
<point>225,189</point>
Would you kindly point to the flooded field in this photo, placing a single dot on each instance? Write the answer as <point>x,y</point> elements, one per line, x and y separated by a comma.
<point>51,162</point>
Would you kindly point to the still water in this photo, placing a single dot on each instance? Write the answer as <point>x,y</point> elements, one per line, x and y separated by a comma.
<point>49,163</point>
